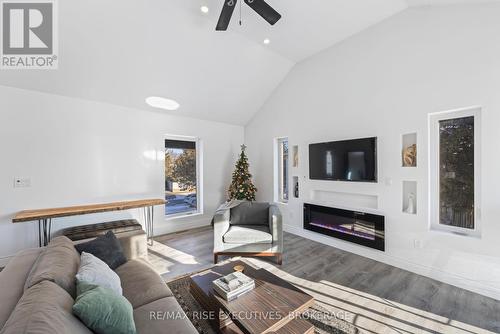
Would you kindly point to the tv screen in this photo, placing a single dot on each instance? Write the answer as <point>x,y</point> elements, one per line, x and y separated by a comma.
<point>346,160</point>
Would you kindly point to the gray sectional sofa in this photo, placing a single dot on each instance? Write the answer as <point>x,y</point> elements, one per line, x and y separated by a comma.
<point>37,290</point>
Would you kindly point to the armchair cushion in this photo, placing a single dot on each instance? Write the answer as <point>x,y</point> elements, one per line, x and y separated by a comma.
<point>250,213</point>
<point>248,234</point>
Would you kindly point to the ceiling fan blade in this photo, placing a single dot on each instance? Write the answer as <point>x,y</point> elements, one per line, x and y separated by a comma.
<point>263,9</point>
<point>225,16</point>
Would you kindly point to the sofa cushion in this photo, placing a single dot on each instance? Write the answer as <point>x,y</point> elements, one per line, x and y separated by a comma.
<point>12,279</point>
<point>94,271</point>
<point>104,311</point>
<point>250,213</point>
<point>141,284</point>
<point>248,234</point>
<point>105,247</point>
<point>44,308</point>
<point>58,263</point>
<point>162,316</point>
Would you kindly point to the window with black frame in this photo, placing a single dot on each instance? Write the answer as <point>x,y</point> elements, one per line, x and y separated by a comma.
<point>181,177</point>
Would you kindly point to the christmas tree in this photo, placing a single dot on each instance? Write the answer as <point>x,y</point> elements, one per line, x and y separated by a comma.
<point>241,187</point>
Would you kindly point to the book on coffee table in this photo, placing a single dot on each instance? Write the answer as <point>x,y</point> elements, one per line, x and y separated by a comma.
<point>233,285</point>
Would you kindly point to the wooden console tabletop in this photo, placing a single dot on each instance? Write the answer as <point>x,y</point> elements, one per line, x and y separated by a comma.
<point>45,216</point>
<point>32,215</point>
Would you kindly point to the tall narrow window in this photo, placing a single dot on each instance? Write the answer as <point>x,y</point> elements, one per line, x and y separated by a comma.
<point>282,169</point>
<point>455,171</point>
<point>181,177</point>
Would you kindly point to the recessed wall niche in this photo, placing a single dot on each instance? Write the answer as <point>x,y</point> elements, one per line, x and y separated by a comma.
<point>295,156</point>
<point>296,190</point>
<point>409,150</point>
<point>410,197</point>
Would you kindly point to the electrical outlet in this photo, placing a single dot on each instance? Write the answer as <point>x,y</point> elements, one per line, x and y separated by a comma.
<point>418,243</point>
<point>22,182</point>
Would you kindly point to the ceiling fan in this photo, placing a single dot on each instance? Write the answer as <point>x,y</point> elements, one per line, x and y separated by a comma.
<point>259,6</point>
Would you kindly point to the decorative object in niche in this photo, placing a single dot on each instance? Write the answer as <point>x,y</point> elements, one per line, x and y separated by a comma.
<point>411,204</point>
<point>409,150</point>
<point>296,186</point>
<point>410,156</point>
<point>295,156</point>
<point>409,197</point>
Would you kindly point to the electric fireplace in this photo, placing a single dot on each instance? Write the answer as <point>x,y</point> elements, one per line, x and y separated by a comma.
<point>358,227</point>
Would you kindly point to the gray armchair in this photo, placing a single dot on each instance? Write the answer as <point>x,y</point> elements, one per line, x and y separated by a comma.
<point>251,228</point>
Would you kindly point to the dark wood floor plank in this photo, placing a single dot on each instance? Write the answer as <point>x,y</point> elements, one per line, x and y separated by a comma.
<point>378,298</point>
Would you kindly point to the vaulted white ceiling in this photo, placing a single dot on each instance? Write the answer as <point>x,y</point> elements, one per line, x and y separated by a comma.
<point>309,26</point>
<point>121,52</point>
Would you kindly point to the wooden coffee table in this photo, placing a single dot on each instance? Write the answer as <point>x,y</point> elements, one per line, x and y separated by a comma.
<point>272,307</point>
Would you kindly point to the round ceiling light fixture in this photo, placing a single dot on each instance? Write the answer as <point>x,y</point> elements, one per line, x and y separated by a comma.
<point>267,41</point>
<point>204,9</point>
<point>162,103</point>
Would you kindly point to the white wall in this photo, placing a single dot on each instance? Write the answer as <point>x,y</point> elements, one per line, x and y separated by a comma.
<point>78,152</point>
<point>384,82</point>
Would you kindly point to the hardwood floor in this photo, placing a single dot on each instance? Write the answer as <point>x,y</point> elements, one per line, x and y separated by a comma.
<point>375,297</point>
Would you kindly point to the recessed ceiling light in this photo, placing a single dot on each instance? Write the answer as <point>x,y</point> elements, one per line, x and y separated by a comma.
<point>162,103</point>
<point>267,41</point>
<point>204,9</point>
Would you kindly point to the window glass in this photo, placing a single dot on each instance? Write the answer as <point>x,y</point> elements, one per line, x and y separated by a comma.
<point>181,179</point>
<point>283,169</point>
<point>456,172</point>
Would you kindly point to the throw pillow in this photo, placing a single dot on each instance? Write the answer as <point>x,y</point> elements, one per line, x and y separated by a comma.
<point>93,270</point>
<point>106,247</point>
<point>103,311</point>
<point>250,213</point>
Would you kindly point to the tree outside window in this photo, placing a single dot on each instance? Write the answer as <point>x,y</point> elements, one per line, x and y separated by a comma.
<point>181,177</point>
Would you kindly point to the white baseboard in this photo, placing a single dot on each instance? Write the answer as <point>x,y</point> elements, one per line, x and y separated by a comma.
<point>177,226</point>
<point>428,271</point>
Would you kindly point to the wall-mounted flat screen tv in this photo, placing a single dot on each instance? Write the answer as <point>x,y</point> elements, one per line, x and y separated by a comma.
<point>346,160</point>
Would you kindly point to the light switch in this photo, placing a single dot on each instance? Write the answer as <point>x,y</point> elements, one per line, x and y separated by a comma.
<point>22,182</point>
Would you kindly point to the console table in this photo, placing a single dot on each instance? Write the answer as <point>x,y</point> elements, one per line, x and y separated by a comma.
<point>45,216</point>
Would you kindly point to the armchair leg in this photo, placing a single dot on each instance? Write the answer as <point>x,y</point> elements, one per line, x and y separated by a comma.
<point>279,259</point>
<point>215,258</point>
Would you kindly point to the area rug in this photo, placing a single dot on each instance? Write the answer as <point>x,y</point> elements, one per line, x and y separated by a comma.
<point>323,321</point>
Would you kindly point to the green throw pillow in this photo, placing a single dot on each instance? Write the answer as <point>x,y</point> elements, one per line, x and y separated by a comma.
<point>103,310</point>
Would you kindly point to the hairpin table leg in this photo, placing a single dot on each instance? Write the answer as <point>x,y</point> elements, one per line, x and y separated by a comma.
<point>149,223</point>
<point>44,231</point>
